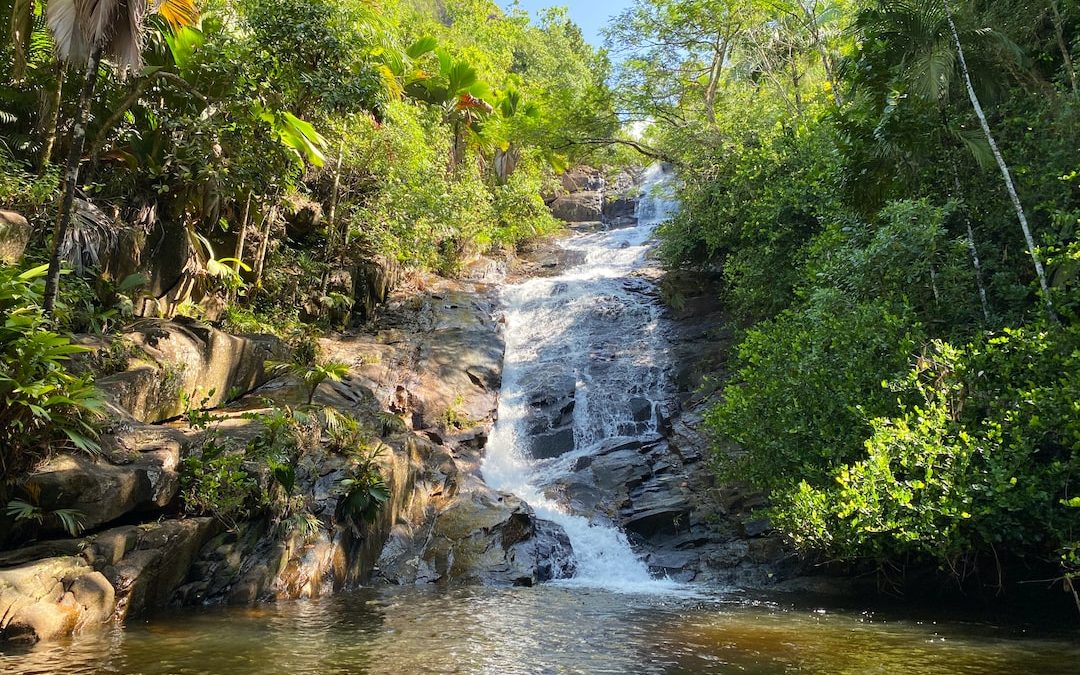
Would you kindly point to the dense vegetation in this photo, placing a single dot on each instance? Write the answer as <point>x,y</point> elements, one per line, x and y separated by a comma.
<point>889,190</point>
<point>234,161</point>
<point>864,176</point>
<point>417,131</point>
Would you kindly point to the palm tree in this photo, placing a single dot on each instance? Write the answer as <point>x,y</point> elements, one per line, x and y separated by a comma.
<point>1006,175</point>
<point>926,49</point>
<point>452,86</point>
<point>85,31</point>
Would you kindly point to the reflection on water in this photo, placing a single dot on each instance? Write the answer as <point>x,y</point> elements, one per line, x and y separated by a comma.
<point>547,629</point>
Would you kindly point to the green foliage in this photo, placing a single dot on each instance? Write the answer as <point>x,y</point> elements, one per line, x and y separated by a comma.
<point>214,481</point>
<point>809,382</point>
<point>835,173</point>
<point>25,512</point>
<point>22,190</point>
<point>982,462</point>
<point>310,373</point>
<point>43,406</point>
<point>364,493</point>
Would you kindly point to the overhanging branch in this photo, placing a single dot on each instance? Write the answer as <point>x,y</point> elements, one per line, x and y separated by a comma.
<point>641,148</point>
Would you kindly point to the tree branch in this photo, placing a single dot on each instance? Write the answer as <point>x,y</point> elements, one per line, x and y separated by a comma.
<point>645,150</point>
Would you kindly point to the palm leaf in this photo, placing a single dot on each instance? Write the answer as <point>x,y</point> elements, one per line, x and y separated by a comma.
<point>178,13</point>
<point>64,23</point>
<point>424,45</point>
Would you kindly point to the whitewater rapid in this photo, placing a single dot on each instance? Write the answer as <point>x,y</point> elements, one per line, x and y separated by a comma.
<point>602,326</point>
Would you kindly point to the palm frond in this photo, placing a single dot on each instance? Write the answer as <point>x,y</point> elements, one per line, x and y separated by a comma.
<point>129,36</point>
<point>178,13</point>
<point>64,23</point>
<point>90,235</point>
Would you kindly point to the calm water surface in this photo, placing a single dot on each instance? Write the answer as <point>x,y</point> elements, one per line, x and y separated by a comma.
<point>550,629</point>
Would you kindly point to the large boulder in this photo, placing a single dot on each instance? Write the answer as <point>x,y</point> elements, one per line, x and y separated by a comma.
<point>51,598</point>
<point>579,207</point>
<point>582,179</point>
<point>146,576</point>
<point>184,358</point>
<point>482,537</point>
<point>15,234</point>
<point>372,282</point>
<point>620,210</point>
<point>138,471</point>
<point>55,589</point>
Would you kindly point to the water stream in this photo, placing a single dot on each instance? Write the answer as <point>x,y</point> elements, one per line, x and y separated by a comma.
<point>592,334</point>
<point>595,337</point>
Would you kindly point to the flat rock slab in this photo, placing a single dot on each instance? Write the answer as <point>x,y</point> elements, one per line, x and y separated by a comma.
<point>138,471</point>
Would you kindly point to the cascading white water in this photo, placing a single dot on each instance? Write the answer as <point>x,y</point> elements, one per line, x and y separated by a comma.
<point>592,334</point>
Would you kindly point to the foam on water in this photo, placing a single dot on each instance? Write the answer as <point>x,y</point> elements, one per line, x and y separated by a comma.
<point>600,324</point>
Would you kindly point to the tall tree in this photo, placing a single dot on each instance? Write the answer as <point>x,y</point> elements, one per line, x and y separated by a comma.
<point>1006,174</point>
<point>86,31</point>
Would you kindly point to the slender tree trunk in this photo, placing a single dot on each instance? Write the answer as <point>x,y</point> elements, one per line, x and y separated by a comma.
<point>50,119</point>
<point>71,179</point>
<point>978,269</point>
<point>331,214</point>
<point>260,260</point>
<point>1066,56</point>
<point>1006,175</point>
<point>455,152</point>
<point>241,239</point>
<point>22,24</point>
<point>823,49</point>
<point>795,80</point>
<point>972,248</point>
<point>719,54</point>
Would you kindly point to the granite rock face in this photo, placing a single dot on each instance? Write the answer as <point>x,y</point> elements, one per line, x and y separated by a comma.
<point>15,234</point>
<point>579,207</point>
<point>59,588</point>
<point>185,357</point>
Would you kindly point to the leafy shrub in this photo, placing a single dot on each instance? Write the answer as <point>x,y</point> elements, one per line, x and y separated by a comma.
<point>21,189</point>
<point>214,482</point>
<point>984,461</point>
<point>809,382</point>
<point>520,211</point>
<point>310,375</point>
<point>364,492</point>
<point>43,407</point>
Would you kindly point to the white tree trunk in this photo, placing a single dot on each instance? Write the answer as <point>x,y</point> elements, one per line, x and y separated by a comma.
<point>1005,174</point>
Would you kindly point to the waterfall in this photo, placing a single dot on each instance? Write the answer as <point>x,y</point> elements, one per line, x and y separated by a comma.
<point>584,367</point>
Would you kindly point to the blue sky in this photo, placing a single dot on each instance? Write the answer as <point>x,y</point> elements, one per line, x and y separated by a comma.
<point>591,15</point>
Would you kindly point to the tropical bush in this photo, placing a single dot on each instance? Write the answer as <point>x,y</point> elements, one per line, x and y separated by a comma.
<point>43,406</point>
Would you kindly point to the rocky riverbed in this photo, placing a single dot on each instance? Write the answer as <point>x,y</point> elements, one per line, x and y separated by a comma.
<point>433,357</point>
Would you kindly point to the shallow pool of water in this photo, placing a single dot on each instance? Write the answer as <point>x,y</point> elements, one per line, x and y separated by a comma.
<point>550,629</point>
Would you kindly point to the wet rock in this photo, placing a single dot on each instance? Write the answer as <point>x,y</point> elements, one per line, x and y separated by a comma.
<point>641,409</point>
<point>486,538</point>
<point>671,562</point>
<point>15,234</point>
<point>620,470</point>
<point>620,211</point>
<point>579,207</point>
<point>553,444</point>
<point>656,509</point>
<point>146,577</point>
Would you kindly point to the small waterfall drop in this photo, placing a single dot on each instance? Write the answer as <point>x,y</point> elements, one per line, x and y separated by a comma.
<point>589,345</point>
